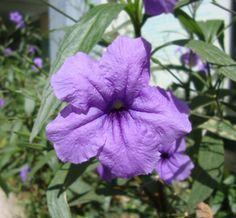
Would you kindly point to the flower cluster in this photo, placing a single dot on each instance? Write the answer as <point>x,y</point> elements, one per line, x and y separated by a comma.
<point>114,115</point>
<point>17,18</point>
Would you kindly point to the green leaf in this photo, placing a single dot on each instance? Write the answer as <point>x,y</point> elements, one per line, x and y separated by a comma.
<point>232,200</point>
<point>57,202</point>
<point>56,193</point>
<point>29,106</point>
<point>80,37</point>
<point>230,106</point>
<point>212,54</point>
<point>208,173</point>
<point>217,201</point>
<point>4,186</point>
<point>212,29</point>
<point>220,127</point>
<point>41,162</point>
<point>189,23</point>
<point>201,101</point>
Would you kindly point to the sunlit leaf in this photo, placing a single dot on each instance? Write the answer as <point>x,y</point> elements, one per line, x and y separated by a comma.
<point>220,127</point>
<point>208,172</point>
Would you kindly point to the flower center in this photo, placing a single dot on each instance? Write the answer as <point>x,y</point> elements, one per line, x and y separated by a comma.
<point>165,155</point>
<point>117,105</point>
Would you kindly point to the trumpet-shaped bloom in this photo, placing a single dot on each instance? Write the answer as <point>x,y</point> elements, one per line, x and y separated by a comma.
<point>17,18</point>
<point>112,113</point>
<point>173,163</point>
<point>157,7</point>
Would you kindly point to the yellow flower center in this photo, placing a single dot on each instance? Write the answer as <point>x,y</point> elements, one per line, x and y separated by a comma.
<point>117,105</point>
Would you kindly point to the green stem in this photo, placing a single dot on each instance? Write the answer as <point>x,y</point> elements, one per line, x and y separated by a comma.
<point>224,8</point>
<point>132,9</point>
<point>58,10</point>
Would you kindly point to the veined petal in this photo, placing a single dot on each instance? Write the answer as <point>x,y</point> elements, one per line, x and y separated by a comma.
<point>164,171</point>
<point>130,147</point>
<point>178,167</point>
<point>125,66</point>
<point>76,137</point>
<point>180,145</point>
<point>177,146</point>
<point>78,82</point>
<point>164,112</point>
<point>185,166</point>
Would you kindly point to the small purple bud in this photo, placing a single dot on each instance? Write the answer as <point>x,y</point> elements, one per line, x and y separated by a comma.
<point>24,173</point>
<point>31,49</point>
<point>38,64</point>
<point>7,52</point>
<point>2,102</point>
<point>190,58</point>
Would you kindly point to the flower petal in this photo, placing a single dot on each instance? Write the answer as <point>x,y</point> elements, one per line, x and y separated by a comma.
<point>125,66</point>
<point>164,171</point>
<point>164,112</point>
<point>76,137</point>
<point>130,147</point>
<point>178,167</point>
<point>157,7</point>
<point>177,146</point>
<point>104,173</point>
<point>185,165</point>
<point>78,82</point>
<point>180,145</point>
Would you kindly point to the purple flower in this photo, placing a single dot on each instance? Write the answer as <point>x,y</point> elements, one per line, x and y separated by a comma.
<point>173,163</point>
<point>2,102</point>
<point>7,52</point>
<point>17,18</point>
<point>38,64</point>
<point>157,7</point>
<point>24,173</point>
<point>113,114</point>
<point>31,49</point>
